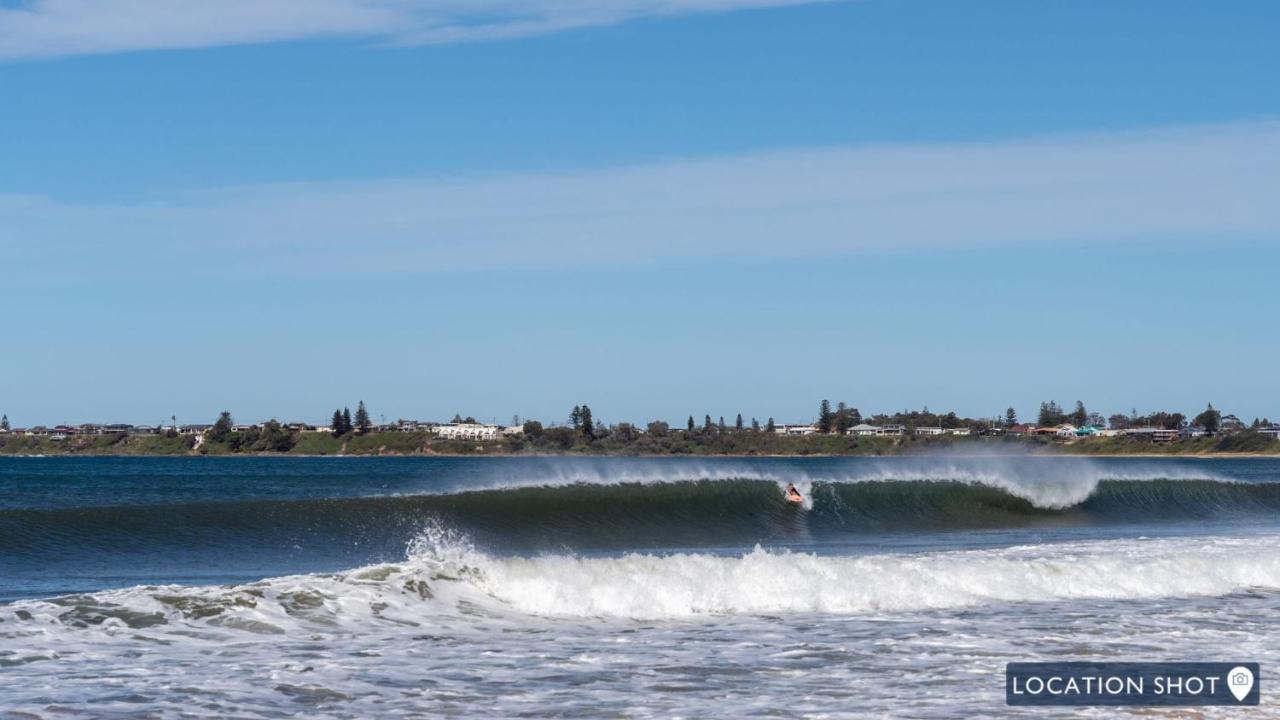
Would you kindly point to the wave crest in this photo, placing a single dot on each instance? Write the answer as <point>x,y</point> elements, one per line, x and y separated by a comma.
<point>445,578</point>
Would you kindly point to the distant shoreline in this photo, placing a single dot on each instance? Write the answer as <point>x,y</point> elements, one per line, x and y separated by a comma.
<point>734,456</point>
<point>564,442</point>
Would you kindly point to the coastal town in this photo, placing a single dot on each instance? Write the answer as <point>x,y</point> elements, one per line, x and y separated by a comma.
<point>1054,427</point>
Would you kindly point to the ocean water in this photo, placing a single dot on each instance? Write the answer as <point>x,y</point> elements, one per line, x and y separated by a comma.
<point>574,587</point>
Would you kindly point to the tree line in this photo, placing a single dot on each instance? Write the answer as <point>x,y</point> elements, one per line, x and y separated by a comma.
<point>341,423</point>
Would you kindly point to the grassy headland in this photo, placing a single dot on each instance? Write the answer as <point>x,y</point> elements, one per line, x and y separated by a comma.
<point>562,441</point>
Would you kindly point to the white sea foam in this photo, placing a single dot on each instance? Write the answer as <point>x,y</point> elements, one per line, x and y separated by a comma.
<point>763,582</point>
<point>453,631</point>
<point>444,576</point>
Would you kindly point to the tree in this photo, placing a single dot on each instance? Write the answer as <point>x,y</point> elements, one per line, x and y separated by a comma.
<point>4,423</point>
<point>755,425</point>
<point>532,429</point>
<point>274,438</point>
<point>1080,416</point>
<point>346,420</point>
<point>691,424</point>
<point>738,424</point>
<point>575,417</point>
<point>657,428</point>
<point>1010,417</point>
<point>1210,420</point>
<point>769,427</point>
<point>221,429</point>
<point>362,418</point>
<point>336,426</point>
<point>1051,414</point>
<point>720,425</point>
<point>1119,421</point>
<point>588,425</point>
<point>824,417</point>
<point>841,419</point>
<point>706,423</point>
<point>1160,419</point>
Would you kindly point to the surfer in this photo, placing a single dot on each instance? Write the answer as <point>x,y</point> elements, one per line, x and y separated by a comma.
<point>793,495</point>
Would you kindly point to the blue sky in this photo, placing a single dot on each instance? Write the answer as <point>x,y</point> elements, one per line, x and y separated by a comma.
<point>661,208</point>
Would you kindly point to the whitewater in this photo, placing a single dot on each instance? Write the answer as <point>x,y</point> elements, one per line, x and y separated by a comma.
<point>602,588</point>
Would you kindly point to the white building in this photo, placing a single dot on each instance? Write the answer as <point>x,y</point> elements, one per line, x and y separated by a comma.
<point>928,431</point>
<point>467,431</point>
<point>795,430</point>
<point>891,430</point>
<point>958,431</point>
<point>1065,431</point>
<point>1158,435</point>
<point>863,430</point>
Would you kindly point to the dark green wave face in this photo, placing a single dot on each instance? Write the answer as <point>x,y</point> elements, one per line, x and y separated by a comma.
<point>583,517</point>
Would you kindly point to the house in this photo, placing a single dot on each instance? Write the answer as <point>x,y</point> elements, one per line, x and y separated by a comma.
<point>144,430</point>
<point>1150,434</point>
<point>1272,432</point>
<point>891,431</point>
<point>1065,431</point>
<point>959,431</point>
<point>1088,431</point>
<point>513,431</point>
<point>862,430</point>
<point>795,430</point>
<point>61,432</point>
<point>1192,432</point>
<point>928,431</point>
<point>1020,429</point>
<point>1109,433</point>
<point>467,431</point>
<point>194,429</point>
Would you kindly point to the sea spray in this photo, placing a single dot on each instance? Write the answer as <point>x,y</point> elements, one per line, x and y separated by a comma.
<point>445,578</point>
<point>1051,483</point>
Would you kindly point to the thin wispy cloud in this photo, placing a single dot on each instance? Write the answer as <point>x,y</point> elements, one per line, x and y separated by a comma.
<point>1197,184</point>
<point>52,28</point>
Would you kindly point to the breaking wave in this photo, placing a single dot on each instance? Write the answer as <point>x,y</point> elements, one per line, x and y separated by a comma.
<point>445,578</point>
<point>627,513</point>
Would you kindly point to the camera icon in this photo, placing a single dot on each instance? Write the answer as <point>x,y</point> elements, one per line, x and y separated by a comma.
<point>1240,680</point>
